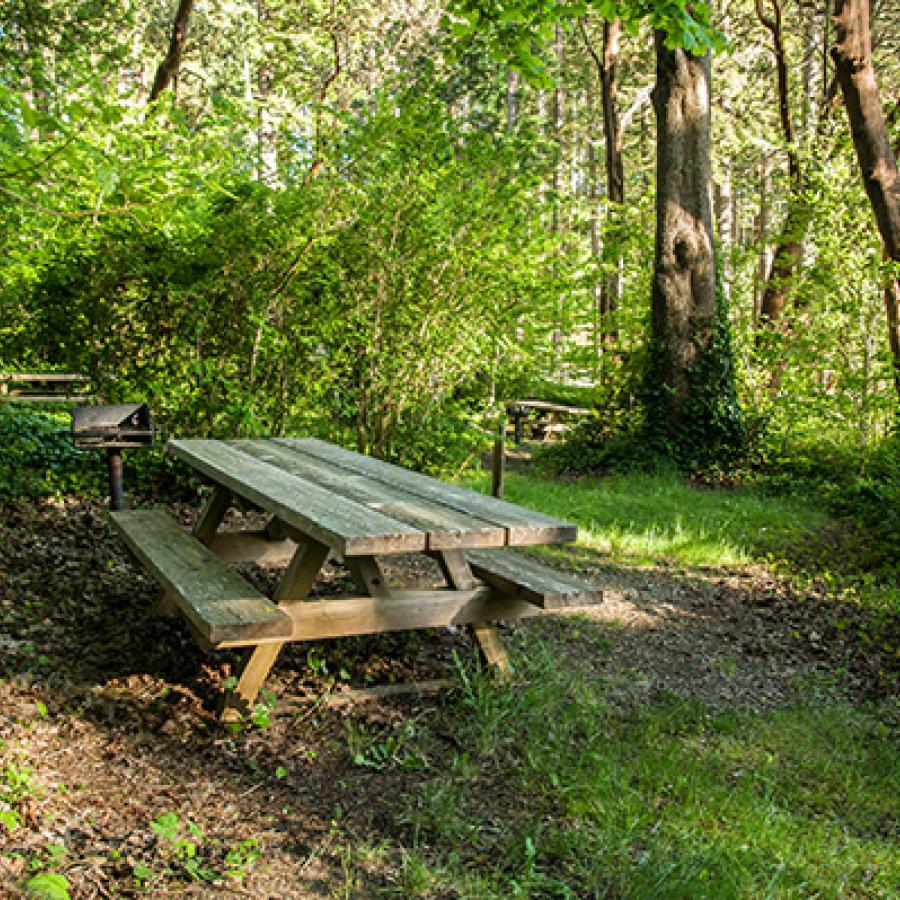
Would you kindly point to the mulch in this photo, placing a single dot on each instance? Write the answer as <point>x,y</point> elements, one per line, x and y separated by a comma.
<point>107,714</point>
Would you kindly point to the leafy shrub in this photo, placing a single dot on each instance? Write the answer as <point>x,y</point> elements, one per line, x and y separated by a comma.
<point>37,457</point>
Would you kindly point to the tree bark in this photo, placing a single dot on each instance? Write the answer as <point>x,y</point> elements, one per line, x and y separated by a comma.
<point>789,248</point>
<point>170,65</point>
<point>852,55</point>
<point>606,64</point>
<point>684,282</point>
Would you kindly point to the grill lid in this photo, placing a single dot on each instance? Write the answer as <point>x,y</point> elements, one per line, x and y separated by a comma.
<point>121,425</point>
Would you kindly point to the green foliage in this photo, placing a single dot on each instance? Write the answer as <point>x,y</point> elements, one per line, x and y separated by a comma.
<point>48,886</point>
<point>706,432</point>
<point>38,457</point>
<point>519,30</point>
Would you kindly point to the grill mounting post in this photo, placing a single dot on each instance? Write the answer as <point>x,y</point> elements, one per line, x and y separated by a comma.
<point>112,428</point>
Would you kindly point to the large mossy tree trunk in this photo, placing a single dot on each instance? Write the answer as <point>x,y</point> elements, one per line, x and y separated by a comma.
<point>691,390</point>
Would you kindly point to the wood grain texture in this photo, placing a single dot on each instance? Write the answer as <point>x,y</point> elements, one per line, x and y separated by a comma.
<point>252,546</point>
<point>403,610</point>
<point>519,576</point>
<point>523,526</point>
<point>219,604</point>
<point>346,527</point>
<point>446,528</point>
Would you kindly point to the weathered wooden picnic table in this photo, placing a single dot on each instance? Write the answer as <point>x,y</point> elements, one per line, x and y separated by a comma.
<point>324,499</point>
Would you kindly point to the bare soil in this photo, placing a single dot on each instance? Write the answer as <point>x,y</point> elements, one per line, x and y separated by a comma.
<point>107,714</point>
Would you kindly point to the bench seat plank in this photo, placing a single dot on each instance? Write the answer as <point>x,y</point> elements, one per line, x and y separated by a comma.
<point>219,604</point>
<point>526,578</point>
<point>523,526</point>
<point>348,528</point>
<point>446,527</point>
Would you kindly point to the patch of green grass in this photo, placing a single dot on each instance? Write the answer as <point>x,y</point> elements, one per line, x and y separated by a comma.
<point>646,519</point>
<point>559,795</point>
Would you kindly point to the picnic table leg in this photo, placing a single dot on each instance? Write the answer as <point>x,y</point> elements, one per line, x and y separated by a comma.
<point>294,587</point>
<point>459,575</point>
<point>368,575</point>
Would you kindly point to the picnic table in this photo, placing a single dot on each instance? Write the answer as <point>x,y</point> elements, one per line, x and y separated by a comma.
<point>43,387</point>
<point>322,499</point>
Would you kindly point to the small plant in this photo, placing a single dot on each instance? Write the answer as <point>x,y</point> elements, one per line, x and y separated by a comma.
<point>239,860</point>
<point>48,886</point>
<point>261,715</point>
<point>183,840</point>
<point>379,751</point>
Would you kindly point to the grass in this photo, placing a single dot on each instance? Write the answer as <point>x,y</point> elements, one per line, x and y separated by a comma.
<point>647,519</point>
<point>557,794</point>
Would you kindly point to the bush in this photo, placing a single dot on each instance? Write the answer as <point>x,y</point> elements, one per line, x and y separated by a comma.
<point>38,458</point>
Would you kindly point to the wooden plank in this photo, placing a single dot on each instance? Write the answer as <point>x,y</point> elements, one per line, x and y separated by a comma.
<point>523,526</point>
<point>252,546</point>
<point>223,608</point>
<point>22,397</point>
<point>445,527</point>
<point>404,610</point>
<point>544,406</point>
<point>347,527</point>
<point>43,377</point>
<point>519,576</point>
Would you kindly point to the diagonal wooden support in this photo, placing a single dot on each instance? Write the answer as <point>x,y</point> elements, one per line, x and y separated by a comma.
<point>459,575</point>
<point>294,587</point>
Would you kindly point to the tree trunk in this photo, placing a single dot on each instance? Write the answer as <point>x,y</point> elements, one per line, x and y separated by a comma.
<point>892,309</point>
<point>607,73</point>
<point>513,79</point>
<point>789,248</point>
<point>615,166</point>
<point>877,162</point>
<point>168,68</point>
<point>852,55</point>
<point>726,221</point>
<point>556,224</point>
<point>684,279</point>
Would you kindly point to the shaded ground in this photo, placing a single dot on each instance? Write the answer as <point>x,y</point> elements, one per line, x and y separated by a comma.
<point>107,714</point>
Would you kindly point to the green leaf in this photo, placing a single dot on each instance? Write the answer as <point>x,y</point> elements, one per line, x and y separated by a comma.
<point>166,826</point>
<point>107,178</point>
<point>48,886</point>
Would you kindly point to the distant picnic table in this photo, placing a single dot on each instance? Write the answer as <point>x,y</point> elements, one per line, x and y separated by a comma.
<point>322,499</point>
<point>42,387</point>
<point>546,419</point>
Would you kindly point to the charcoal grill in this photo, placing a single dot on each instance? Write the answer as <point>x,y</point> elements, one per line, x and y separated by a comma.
<point>113,428</point>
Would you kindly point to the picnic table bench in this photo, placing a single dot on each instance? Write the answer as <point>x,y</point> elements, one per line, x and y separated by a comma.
<point>323,500</point>
<point>42,387</point>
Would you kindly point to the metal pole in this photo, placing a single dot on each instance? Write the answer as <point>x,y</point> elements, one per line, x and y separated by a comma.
<point>116,490</point>
<point>498,461</point>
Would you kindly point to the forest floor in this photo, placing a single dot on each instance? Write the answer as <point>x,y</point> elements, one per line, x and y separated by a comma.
<point>115,774</point>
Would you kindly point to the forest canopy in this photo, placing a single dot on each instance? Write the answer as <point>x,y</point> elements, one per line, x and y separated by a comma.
<point>378,222</point>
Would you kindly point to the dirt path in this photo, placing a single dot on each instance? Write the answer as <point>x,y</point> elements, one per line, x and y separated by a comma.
<point>120,777</point>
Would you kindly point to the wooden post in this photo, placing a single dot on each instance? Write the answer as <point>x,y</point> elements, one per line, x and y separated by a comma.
<point>498,460</point>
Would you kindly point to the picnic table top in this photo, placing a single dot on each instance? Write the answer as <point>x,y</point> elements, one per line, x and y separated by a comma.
<point>361,506</point>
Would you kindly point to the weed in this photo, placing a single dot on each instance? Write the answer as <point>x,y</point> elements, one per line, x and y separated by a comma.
<point>380,749</point>
<point>239,860</point>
